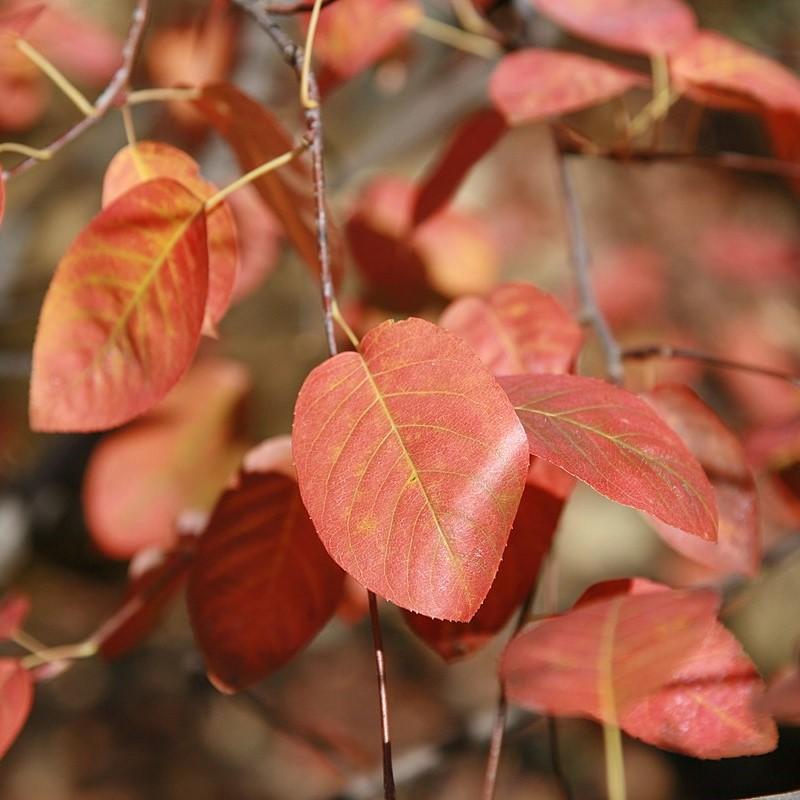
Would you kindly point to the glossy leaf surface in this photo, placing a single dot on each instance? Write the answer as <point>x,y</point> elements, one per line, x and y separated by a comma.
<point>532,85</point>
<point>122,317</point>
<point>528,544</point>
<point>601,658</point>
<point>149,160</point>
<point>738,545</point>
<point>649,26</point>
<point>411,464</point>
<point>516,329</point>
<point>256,137</point>
<point>262,585</point>
<point>475,137</point>
<point>16,699</point>
<point>140,479</point>
<point>615,442</point>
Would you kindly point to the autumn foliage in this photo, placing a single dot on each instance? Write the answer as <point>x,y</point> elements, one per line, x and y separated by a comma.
<point>432,454</point>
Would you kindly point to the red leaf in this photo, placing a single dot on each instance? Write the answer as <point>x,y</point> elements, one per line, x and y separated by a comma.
<point>16,699</point>
<point>601,658</point>
<point>651,27</point>
<point>20,19</point>
<point>528,544</point>
<point>146,599</point>
<point>475,137</point>
<point>532,85</point>
<point>784,132</point>
<point>615,442</point>
<point>738,545</point>
<point>707,710</point>
<point>411,464</point>
<point>711,63</point>
<point>782,697</point>
<point>121,320</point>
<point>262,585</point>
<point>256,137</point>
<point>14,608</point>
<point>516,329</point>
<point>354,34</point>
<point>148,160</point>
<point>140,479</point>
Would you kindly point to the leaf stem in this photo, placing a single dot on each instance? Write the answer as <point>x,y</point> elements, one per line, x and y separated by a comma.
<point>67,652</point>
<point>57,77</point>
<point>305,99</point>
<point>253,175</point>
<point>472,43</point>
<point>342,323</point>
<point>162,95</point>
<point>24,150</point>
<point>615,763</point>
<point>127,122</point>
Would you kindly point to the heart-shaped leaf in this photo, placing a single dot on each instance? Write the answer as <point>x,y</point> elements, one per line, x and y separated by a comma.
<point>145,161</point>
<point>615,442</point>
<point>516,329</point>
<point>122,317</point>
<point>532,85</point>
<point>262,585</point>
<point>411,464</point>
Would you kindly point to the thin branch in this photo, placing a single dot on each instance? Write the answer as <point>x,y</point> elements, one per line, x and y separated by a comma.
<point>667,351</point>
<point>109,95</point>
<point>590,310</point>
<point>294,57</point>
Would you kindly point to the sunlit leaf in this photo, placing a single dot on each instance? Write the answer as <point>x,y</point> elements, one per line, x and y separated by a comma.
<point>475,137</point>
<point>516,329</point>
<point>353,34</point>
<point>532,85</point>
<point>178,457</point>
<point>601,658</point>
<point>16,699</point>
<point>411,464</point>
<point>257,137</point>
<point>528,544</point>
<point>146,161</point>
<point>714,64</point>
<point>615,442</point>
<point>652,26</point>
<point>262,585</point>
<point>738,545</point>
<point>121,320</point>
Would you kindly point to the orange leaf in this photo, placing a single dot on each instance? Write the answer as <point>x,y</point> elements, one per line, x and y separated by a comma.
<point>16,699</point>
<point>532,85</point>
<point>528,544</point>
<point>353,34</point>
<point>738,545</point>
<point>121,320</point>
<point>411,464</point>
<point>651,27</point>
<point>262,585</point>
<point>711,63</point>
<point>601,658</point>
<point>256,137</point>
<point>148,160</point>
<point>516,329</point>
<point>615,442</point>
<point>178,457</point>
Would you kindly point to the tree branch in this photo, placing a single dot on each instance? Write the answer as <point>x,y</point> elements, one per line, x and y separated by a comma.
<point>107,98</point>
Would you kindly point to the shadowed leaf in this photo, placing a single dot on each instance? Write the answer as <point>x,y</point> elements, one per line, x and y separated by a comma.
<point>615,442</point>
<point>122,317</point>
<point>411,464</point>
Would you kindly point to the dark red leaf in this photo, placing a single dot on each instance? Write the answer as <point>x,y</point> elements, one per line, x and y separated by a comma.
<point>262,585</point>
<point>475,137</point>
<point>14,608</point>
<point>411,464</point>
